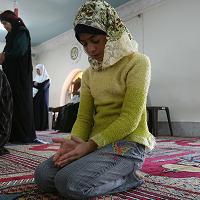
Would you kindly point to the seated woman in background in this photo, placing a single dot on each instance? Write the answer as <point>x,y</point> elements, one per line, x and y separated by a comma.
<point>76,91</point>
<point>41,85</point>
<point>67,114</point>
<point>6,108</point>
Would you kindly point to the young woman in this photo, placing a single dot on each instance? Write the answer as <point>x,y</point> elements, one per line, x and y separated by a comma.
<point>108,140</point>
<point>41,85</point>
<point>17,65</point>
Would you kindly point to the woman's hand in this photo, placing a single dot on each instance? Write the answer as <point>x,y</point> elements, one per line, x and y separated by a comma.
<point>35,83</point>
<point>77,149</point>
<point>65,146</point>
<point>2,58</point>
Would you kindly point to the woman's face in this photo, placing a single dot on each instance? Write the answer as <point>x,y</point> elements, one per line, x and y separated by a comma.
<point>38,71</point>
<point>93,45</point>
<point>7,25</point>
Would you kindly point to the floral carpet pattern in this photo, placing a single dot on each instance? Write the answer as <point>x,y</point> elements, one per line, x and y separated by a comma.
<point>171,171</point>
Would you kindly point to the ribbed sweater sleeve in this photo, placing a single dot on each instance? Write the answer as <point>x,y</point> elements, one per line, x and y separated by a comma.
<point>137,84</point>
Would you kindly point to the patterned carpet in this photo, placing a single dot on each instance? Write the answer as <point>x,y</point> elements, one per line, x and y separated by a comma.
<point>171,171</point>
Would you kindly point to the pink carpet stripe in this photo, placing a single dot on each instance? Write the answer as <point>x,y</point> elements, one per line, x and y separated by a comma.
<point>23,161</point>
<point>28,153</point>
<point>16,178</point>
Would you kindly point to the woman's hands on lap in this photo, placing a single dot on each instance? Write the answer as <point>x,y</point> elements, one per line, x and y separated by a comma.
<point>71,150</point>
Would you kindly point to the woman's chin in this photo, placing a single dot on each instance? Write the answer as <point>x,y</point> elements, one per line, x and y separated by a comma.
<point>98,59</point>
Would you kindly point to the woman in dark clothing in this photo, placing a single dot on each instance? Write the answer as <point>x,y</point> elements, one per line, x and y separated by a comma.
<point>17,65</point>
<point>6,108</point>
<point>41,85</point>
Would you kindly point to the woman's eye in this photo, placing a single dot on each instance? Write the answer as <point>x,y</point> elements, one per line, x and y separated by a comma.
<point>84,44</point>
<point>95,41</point>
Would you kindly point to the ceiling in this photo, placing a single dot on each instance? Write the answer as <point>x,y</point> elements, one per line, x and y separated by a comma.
<point>46,19</point>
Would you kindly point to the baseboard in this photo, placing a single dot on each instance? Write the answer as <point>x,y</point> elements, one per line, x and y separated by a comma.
<point>182,129</point>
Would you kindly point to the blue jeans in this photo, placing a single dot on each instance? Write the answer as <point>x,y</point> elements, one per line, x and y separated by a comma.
<point>107,170</point>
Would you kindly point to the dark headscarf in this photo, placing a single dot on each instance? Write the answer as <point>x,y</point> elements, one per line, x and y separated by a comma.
<point>17,25</point>
<point>11,17</point>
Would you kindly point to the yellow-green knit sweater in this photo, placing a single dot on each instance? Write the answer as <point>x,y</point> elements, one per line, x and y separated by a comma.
<point>113,103</point>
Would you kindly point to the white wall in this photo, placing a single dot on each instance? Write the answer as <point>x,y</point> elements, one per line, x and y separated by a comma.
<point>171,39</point>
<point>169,34</point>
<point>55,54</point>
<point>135,27</point>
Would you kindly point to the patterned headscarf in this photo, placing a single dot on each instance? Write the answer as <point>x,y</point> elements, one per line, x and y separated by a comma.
<point>100,15</point>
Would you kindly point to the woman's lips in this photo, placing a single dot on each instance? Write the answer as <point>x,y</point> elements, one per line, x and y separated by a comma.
<point>97,57</point>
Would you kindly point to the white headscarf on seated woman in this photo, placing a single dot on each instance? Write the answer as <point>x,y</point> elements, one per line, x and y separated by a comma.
<point>40,77</point>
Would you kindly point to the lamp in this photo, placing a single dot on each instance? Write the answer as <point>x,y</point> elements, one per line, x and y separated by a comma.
<point>16,10</point>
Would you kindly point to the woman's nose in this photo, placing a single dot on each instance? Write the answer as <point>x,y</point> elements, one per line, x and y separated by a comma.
<point>91,48</point>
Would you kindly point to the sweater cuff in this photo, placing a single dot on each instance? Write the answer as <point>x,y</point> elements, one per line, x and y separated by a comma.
<point>101,142</point>
<point>68,137</point>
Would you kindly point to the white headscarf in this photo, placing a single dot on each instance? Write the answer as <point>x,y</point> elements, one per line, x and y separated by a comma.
<point>40,78</point>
